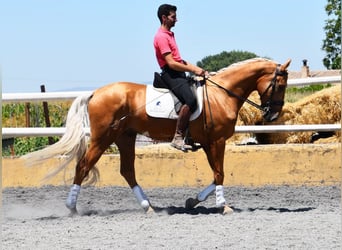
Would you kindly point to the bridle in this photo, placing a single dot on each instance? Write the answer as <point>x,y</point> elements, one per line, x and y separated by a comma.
<point>265,108</point>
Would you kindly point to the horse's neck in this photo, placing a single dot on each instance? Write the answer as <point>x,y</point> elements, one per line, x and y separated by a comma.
<point>240,81</point>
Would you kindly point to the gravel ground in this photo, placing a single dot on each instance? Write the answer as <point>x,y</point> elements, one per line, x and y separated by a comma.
<point>271,217</point>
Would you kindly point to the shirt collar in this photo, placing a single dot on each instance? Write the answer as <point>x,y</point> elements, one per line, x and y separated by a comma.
<point>166,31</point>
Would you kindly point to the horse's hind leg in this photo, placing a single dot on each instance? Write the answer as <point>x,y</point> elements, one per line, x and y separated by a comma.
<point>202,196</point>
<point>84,165</point>
<point>126,145</point>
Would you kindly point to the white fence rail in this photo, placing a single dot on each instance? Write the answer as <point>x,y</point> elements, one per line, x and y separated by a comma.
<point>36,132</point>
<point>313,80</point>
<point>53,96</point>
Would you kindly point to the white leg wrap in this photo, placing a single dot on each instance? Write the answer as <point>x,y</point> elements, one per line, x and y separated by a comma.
<point>220,200</point>
<point>202,196</point>
<point>141,197</point>
<point>72,197</point>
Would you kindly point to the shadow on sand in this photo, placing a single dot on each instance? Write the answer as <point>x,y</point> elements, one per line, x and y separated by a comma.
<point>172,210</point>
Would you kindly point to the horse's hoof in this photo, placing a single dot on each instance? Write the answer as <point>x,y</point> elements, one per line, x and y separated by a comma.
<point>149,210</point>
<point>73,212</point>
<point>191,203</point>
<point>227,210</point>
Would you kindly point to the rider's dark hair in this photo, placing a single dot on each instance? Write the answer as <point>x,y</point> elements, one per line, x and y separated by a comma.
<point>164,10</point>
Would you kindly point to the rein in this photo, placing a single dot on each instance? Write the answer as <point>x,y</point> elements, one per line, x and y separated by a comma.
<point>235,95</point>
<point>264,108</point>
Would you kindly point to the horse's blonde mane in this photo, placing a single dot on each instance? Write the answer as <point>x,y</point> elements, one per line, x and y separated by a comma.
<point>256,59</point>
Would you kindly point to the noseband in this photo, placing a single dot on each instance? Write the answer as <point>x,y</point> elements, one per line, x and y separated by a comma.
<point>265,108</point>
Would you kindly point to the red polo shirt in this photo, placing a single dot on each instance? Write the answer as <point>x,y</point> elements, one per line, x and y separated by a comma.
<point>165,42</point>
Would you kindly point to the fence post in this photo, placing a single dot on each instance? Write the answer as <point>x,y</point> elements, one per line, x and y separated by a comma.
<point>27,114</point>
<point>46,114</point>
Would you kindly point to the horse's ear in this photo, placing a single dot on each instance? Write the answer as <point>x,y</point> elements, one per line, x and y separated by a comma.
<point>286,64</point>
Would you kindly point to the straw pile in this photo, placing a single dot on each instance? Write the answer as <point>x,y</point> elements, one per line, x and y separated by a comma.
<point>322,107</point>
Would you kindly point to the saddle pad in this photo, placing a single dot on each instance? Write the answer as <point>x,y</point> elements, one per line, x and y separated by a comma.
<point>160,103</point>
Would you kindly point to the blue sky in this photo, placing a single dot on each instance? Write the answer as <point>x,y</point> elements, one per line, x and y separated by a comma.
<point>85,44</point>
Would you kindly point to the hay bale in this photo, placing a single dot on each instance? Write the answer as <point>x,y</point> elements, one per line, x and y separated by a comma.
<point>248,115</point>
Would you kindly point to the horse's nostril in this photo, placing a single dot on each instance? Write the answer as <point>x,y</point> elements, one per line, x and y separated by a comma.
<point>274,117</point>
<point>271,117</point>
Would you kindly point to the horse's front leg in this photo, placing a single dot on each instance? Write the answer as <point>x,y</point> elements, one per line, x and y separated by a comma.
<point>215,154</point>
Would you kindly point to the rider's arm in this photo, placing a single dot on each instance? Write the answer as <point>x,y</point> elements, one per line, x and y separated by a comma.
<point>187,67</point>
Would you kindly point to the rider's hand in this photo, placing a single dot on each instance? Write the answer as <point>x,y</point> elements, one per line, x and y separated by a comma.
<point>200,72</point>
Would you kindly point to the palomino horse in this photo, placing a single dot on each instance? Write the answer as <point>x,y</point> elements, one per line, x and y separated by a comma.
<point>117,114</point>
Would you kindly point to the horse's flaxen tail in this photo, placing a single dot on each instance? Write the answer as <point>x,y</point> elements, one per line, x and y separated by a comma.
<point>72,144</point>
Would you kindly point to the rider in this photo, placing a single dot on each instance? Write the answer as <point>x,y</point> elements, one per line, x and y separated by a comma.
<point>173,72</point>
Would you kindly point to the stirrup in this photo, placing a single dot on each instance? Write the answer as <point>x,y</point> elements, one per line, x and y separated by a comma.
<point>181,145</point>
<point>189,141</point>
<point>194,146</point>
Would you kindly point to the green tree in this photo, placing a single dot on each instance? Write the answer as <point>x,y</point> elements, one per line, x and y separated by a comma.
<point>224,59</point>
<point>332,42</point>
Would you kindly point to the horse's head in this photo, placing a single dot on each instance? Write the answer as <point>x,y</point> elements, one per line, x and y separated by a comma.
<point>272,92</point>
